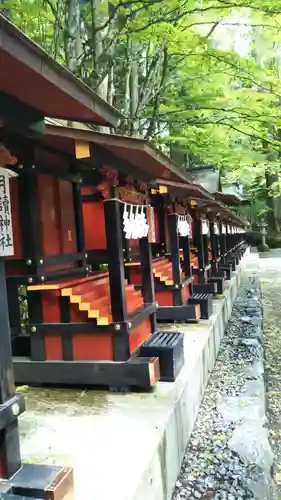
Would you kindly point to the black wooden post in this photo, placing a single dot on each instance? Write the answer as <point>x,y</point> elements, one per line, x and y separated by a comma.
<point>205,239</point>
<point>222,241</point>
<point>14,305</point>
<point>35,314</point>
<point>67,344</point>
<point>125,246</point>
<point>185,245</point>
<point>117,278</point>
<point>148,289</point>
<point>227,239</point>
<point>175,255</point>
<point>30,217</point>
<point>219,250</point>
<point>79,222</point>
<point>10,459</point>
<point>198,241</point>
<point>162,227</point>
<point>230,237</point>
<point>214,246</point>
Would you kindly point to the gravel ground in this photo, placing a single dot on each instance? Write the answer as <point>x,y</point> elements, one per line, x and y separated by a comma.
<point>229,456</point>
<point>270,265</point>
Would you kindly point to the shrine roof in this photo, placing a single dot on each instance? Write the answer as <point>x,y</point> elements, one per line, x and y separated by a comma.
<point>204,200</point>
<point>230,196</point>
<point>134,156</point>
<point>30,75</point>
<point>187,188</point>
<point>208,177</point>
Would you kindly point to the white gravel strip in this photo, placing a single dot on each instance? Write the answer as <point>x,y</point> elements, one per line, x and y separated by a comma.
<point>229,456</point>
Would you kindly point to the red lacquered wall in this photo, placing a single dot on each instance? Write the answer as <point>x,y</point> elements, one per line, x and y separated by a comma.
<point>56,211</point>
<point>94,225</point>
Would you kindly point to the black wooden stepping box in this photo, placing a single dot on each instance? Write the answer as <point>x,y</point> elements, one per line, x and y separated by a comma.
<point>211,288</point>
<point>168,347</point>
<point>183,314</point>
<point>205,302</point>
<point>219,280</point>
<point>38,482</point>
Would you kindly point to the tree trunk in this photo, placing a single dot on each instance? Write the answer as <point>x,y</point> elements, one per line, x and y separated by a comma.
<point>110,90</point>
<point>98,51</point>
<point>73,44</point>
<point>273,203</point>
<point>134,88</point>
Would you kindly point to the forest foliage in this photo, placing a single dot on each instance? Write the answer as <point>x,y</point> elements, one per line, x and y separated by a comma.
<point>199,78</point>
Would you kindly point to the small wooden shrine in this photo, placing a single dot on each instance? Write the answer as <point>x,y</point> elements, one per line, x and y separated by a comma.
<point>192,240</point>
<point>81,307</point>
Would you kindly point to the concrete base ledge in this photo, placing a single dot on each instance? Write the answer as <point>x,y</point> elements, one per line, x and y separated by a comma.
<point>128,446</point>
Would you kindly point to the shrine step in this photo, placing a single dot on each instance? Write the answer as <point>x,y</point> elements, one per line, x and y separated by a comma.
<point>168,347</point>
<point>186,313</point>
<point>160,264</point>
<point>98,284</point>
<point>219,280</point>
<point>205,288</point>
<point>205,302</point>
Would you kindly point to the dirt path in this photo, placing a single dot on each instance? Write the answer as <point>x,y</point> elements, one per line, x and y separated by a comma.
<point>270,265</point>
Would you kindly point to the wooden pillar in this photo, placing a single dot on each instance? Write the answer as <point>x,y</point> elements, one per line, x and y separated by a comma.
<point>14,305</point>
<point>148,289</point>
<point>125,246</point>
<point>30,216</point>
<point>175,255</point>
<point>185,245</point>
<point>117,278</point>
<point>222,241</point>
<point>218,241</point>
<point>67,340</point>
<point>214,245</point>
<point>198,240</point>
<point>205,239</point>
<point>35,314</point>
<point>162,227</point>
<point>79,223</point>
<point>10,459</point>
<point>227,239</point>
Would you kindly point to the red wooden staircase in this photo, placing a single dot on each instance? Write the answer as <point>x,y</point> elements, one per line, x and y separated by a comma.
<point>163,271</point>
<point>90,299</point>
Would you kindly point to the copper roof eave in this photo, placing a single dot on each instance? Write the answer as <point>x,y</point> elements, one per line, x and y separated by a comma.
<point>112,142</point>
<point>191,189</point>
<point>23,49</point>
<point>223,211</point>
<point>169,163</point>
<point>224,196</point>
